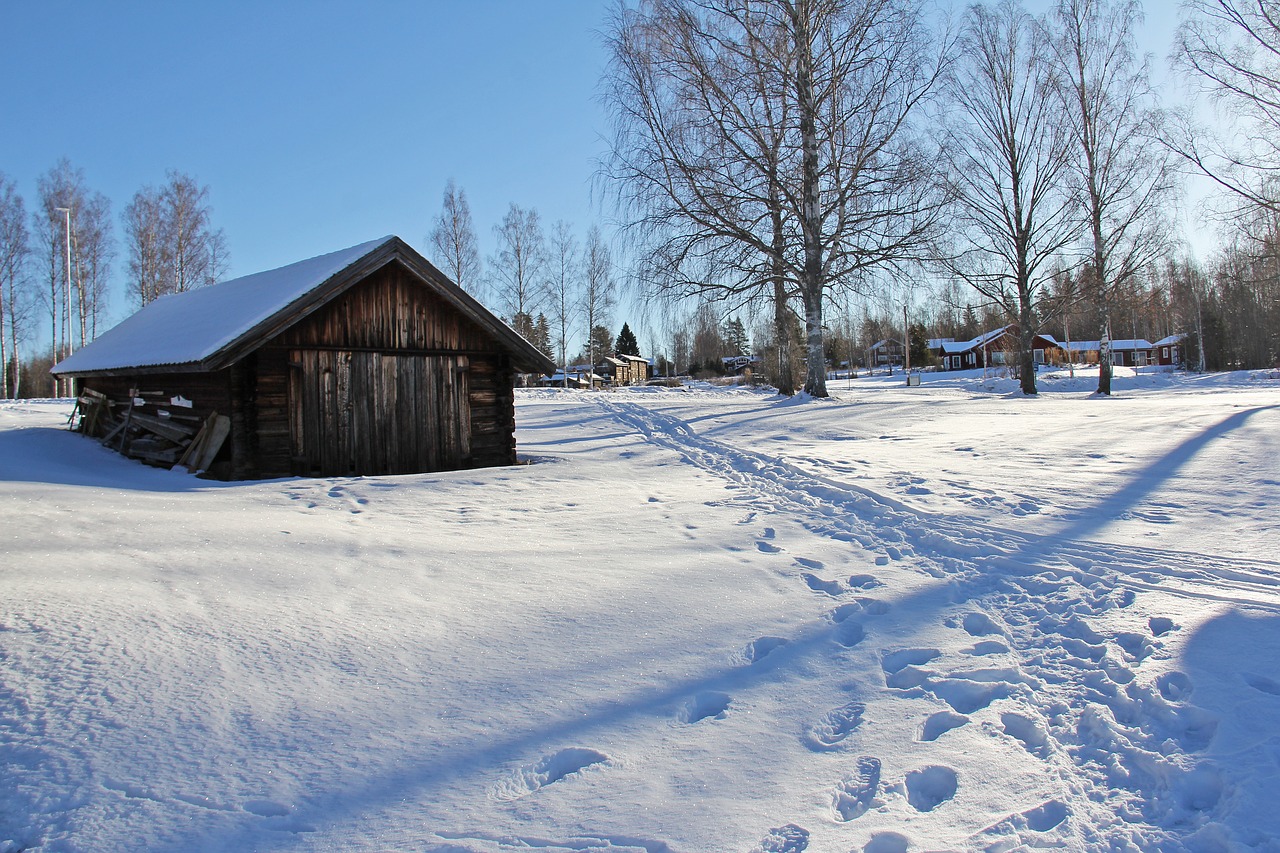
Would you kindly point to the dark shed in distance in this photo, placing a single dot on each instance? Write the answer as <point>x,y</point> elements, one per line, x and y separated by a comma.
<point>363,361</point>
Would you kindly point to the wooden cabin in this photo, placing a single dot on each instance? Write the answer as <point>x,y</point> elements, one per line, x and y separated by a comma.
<point>364,361</point>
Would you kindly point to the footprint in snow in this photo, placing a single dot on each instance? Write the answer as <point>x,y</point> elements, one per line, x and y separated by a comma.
<point>817,584</point>
<point>892,662</point>
<point>930,787</point>
<point>267,808</point>
<point>940,723</point>
<point>758,649</point>
<point>1027,732</point>
<point>805,562</point>
<point>966,696</point>
<point>1045,816</point>
<point>1160,625</point>
<point>702,706</point>
<point>547,771</point>
<point>850,632</point>
<point>864,581</point>
<point>835,726</point>
<point>857,793</point>
<point>874,606</point>
<point>887,842</point>
<point>767,547</point>
<point>1175,686</point>
<point>979,624</point>
<point>986,647</point>
<point>1262,683</point>
<point>784,839</point>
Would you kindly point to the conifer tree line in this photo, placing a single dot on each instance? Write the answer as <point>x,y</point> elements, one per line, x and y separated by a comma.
<point>57,260</point>
<point>789,159</point>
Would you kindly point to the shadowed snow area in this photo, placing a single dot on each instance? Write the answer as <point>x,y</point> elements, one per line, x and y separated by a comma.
<point>701,619</point>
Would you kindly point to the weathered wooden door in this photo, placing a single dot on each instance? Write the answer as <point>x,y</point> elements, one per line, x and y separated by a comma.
<point>357,412</point>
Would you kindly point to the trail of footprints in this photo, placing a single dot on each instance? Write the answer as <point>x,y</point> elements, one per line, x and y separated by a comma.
<point>965,690</point>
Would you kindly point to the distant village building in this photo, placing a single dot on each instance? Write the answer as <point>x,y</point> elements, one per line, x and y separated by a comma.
<point>368,360</point>
<point>1170,351</point>
<point>885,353</point>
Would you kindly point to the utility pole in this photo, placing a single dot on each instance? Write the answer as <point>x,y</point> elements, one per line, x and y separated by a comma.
<point>68,346</point>
<point>906,342</point>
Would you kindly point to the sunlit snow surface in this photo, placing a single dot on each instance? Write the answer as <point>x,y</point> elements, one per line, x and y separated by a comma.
<point>943,617</point>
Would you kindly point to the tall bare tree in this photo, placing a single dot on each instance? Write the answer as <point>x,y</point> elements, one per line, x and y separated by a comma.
<point>14,251</point>
<point>93,249</point>
<point>1010,156</point>
<point>771,144</point>
<point>196,251</point>
<point>599,290</point>
<point>519,266</point>
<point>1127,177</point>
<point>172,244</point>
<point>453,238</point>
<point>144,238</point>
<point>563,280</point>
<point>1232,49</point>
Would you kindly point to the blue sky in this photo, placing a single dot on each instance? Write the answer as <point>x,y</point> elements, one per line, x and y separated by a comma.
<point>316,125</point>
<point>319,125</point>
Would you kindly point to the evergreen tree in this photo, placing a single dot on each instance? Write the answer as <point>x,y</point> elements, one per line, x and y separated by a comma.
<point>541,336</point>
<point>921,355</point>
<point>735,337</point>
<point>626,343</point>
<point>598,345</point>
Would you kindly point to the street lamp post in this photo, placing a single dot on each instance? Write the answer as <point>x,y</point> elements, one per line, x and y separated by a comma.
<point>69,345</point>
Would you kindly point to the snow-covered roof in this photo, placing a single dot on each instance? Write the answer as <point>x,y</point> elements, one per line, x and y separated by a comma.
<point>189,329</point>
<point>1131,343</point>
<point>956,347</point>
<point>1083,346</point>
<point>182,328</point>
<point>887,342</point>
<point>1170,341</point>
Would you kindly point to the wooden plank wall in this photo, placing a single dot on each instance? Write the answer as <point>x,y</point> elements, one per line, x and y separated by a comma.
<point>438,388</point>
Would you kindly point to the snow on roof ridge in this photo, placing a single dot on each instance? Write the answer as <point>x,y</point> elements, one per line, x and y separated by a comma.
<point>183,328</point>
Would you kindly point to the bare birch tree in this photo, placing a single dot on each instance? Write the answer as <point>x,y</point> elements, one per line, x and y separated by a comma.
<point>599,290</point>
<point>564,277</point>
<point>14,250</point>
<point>1126,176</point>
<point>519,266</point>
<point>143,221</point>
<point>93,249</point>
<point>453,238</point>
<point>196,252</point>
<point>1010,155</point>
<point>1232,49</point>
<point>771,144</point>
<point>172,244</point>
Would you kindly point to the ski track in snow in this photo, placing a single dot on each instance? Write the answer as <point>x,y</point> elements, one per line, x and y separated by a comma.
<point>1127,751</point>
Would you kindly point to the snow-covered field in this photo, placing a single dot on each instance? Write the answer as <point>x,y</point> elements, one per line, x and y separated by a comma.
<point>933,618</point>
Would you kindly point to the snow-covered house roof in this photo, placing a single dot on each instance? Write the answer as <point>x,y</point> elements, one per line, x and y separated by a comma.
<point>207,328</point>
<point>1131,344</point>
<point>1170,341</point>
